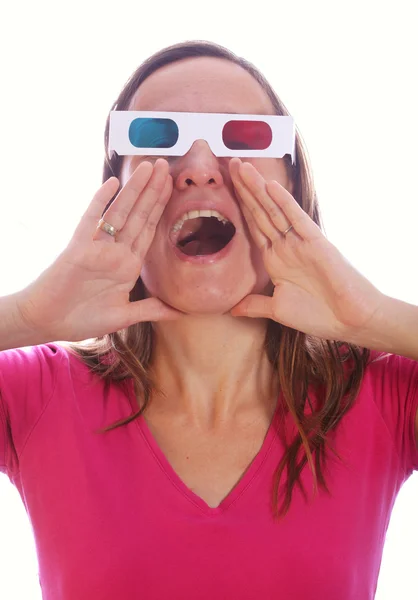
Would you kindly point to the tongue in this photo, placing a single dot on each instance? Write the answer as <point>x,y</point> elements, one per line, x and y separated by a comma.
<point>201,236</point>
<point>203,246</point>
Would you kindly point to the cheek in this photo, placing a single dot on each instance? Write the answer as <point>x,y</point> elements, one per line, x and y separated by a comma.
<point>153,271</point>
<point>259,274</point>
<point>271,168</point>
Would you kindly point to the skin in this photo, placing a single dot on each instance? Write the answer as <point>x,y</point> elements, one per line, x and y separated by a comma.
<point>210,366</point>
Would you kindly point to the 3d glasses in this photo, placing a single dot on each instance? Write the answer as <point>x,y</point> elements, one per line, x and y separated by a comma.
<point>173,133</point>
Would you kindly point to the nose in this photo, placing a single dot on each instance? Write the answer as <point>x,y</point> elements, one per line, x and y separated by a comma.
<point>199,167</point>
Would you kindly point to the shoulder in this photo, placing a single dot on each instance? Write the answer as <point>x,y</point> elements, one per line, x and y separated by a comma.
<point>392,371</point>
<point>30,360</point>
<point>391,383</point>
<point>37,368</point>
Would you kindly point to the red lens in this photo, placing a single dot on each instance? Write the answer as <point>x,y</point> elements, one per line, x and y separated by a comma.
<point>247,135</point>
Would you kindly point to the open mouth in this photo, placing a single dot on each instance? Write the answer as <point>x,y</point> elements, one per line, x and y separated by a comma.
<point>204,235</point>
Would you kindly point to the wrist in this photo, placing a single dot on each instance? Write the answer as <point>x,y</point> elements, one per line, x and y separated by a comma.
<point>15,329</point>
<point>393,328</point>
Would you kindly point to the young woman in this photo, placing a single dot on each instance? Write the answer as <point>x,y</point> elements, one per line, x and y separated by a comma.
<point>242,416</point>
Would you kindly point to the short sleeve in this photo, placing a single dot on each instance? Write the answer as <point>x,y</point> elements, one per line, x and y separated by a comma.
<point>27,381</point>
<point>393,383</point>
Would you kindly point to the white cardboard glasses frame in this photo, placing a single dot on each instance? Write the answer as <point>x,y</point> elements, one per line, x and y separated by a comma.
<point>206,126</point>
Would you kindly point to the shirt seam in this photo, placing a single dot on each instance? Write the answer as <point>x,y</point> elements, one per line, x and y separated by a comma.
<point>391,437</point>
<point>4,427</point>
<point>34,425</point>
<point>412,424</point>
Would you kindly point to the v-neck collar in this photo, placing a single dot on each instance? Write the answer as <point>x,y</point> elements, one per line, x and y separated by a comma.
<point>242,485</point>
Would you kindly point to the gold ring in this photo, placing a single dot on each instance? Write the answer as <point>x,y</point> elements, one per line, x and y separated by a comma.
<point>107,228</point>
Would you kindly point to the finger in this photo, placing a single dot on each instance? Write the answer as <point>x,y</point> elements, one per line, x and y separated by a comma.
<point>260,239</point>
<point>302,223</point>
<point>145,235</point>
<point>88,223</point>
<point>254,305</point>
<point>150,309</point>
<point>258,236</point>
<point>258,220</point>
<point>118,212</point>
<point>268,214</point>
<point>141,213</point>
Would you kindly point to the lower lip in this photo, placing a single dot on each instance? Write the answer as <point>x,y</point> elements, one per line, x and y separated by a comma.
<point>205,259</point>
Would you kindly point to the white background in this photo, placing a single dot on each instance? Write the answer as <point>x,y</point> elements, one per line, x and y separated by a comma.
<point>345,71</point>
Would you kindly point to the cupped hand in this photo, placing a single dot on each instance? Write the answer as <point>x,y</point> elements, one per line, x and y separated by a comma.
<point>85,292</point>
<point>316,290</point>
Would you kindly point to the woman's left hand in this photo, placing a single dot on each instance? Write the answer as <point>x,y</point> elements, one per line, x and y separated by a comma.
<point>317,291</point>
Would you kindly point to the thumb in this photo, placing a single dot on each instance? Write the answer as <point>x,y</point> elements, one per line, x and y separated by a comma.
<point>151,309</point>
<point>254,305</point>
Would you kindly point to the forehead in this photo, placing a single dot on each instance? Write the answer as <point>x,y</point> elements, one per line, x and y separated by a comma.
<point>202,84</point>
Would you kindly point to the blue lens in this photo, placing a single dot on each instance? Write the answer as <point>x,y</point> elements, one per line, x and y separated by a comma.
<point>153,133</point>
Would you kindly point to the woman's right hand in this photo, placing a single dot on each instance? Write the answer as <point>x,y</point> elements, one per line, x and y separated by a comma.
<point>85,292</point>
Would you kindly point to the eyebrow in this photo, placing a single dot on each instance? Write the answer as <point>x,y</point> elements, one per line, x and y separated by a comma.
<point>224,112</point>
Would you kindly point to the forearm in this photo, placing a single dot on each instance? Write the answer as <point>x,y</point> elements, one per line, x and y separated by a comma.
<point>393,329</point>
<point>14,333</point>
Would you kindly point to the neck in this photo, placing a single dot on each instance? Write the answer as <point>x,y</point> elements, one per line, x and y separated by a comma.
<point>212,369</point>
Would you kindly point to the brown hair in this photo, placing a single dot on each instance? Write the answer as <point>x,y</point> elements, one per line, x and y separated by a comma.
<point>335,369</point>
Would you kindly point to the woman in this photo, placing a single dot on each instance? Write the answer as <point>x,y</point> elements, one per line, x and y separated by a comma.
<point>178,453</point>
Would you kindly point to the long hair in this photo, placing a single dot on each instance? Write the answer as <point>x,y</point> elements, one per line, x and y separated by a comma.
<point>334,369</point>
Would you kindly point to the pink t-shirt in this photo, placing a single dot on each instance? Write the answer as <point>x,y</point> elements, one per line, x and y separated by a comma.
<point>112,520</point>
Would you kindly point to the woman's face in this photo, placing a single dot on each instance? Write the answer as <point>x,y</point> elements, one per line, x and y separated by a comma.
<point>208,85</point>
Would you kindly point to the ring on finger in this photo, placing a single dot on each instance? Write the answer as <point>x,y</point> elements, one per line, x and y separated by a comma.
<point>287,230</point>
<point>107,227</point>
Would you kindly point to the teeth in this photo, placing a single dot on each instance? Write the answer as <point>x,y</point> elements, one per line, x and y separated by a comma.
<point>194,214</point>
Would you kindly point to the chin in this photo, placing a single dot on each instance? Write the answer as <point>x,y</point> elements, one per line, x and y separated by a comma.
<point>203,306</point>
<point>202,298</point>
